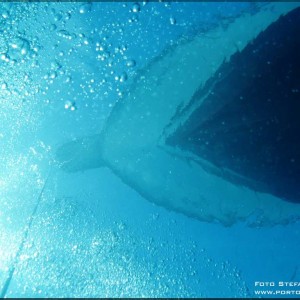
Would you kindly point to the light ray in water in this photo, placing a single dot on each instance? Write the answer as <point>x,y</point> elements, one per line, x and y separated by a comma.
<point>23,241</point>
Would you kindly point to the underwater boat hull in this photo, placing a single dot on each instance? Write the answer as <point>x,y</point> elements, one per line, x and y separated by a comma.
<point>133,142</point>
<point>247,121</point>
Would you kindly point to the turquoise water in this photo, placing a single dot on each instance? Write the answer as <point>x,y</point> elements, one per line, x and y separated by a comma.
<point>64,67</point>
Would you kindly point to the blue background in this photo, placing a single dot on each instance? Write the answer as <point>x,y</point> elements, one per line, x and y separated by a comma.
<point>92,235</point>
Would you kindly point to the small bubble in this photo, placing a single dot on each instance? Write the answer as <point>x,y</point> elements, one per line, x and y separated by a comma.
<point>55,65</point>
<point>130,63</point>
<point>68,79</point>
<point>136,8</point>
<point>110,62</point>
<point>57,17</point>
<point>5,14</point>
<point>85,8</point>
<point>4,57</point>
<point>74,248</point>
<point>172,21</point>
<point>52,75</point>
<point>123,77</point>
<point>4,86</point>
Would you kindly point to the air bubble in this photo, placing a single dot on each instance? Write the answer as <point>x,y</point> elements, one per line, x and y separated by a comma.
<point>4,57</point>
<point>5,14</point>
<point>110,62</point>
<point>57,17</point>
<point>4,86</point>
<point>123,77</point>
<point>85,8</point>
<point>68,79</point>
<point>130,63</point>
<point>52,75</point>
<point>172,21</point>
<point>136,8</point>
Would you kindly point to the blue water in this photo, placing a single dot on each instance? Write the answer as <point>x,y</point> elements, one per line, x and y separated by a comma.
<point>63,67</point>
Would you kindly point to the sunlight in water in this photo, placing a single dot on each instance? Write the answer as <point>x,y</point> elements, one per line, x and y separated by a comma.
<point>107,83</point>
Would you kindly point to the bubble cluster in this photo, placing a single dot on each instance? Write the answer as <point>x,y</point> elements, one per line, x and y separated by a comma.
<point>70,105</point>
<point>119,261</point>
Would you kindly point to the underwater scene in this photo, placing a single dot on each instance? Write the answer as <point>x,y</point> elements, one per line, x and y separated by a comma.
<point>150,149</point>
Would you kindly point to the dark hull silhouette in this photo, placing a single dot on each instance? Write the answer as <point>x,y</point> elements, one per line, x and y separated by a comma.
<point>248,119</point>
